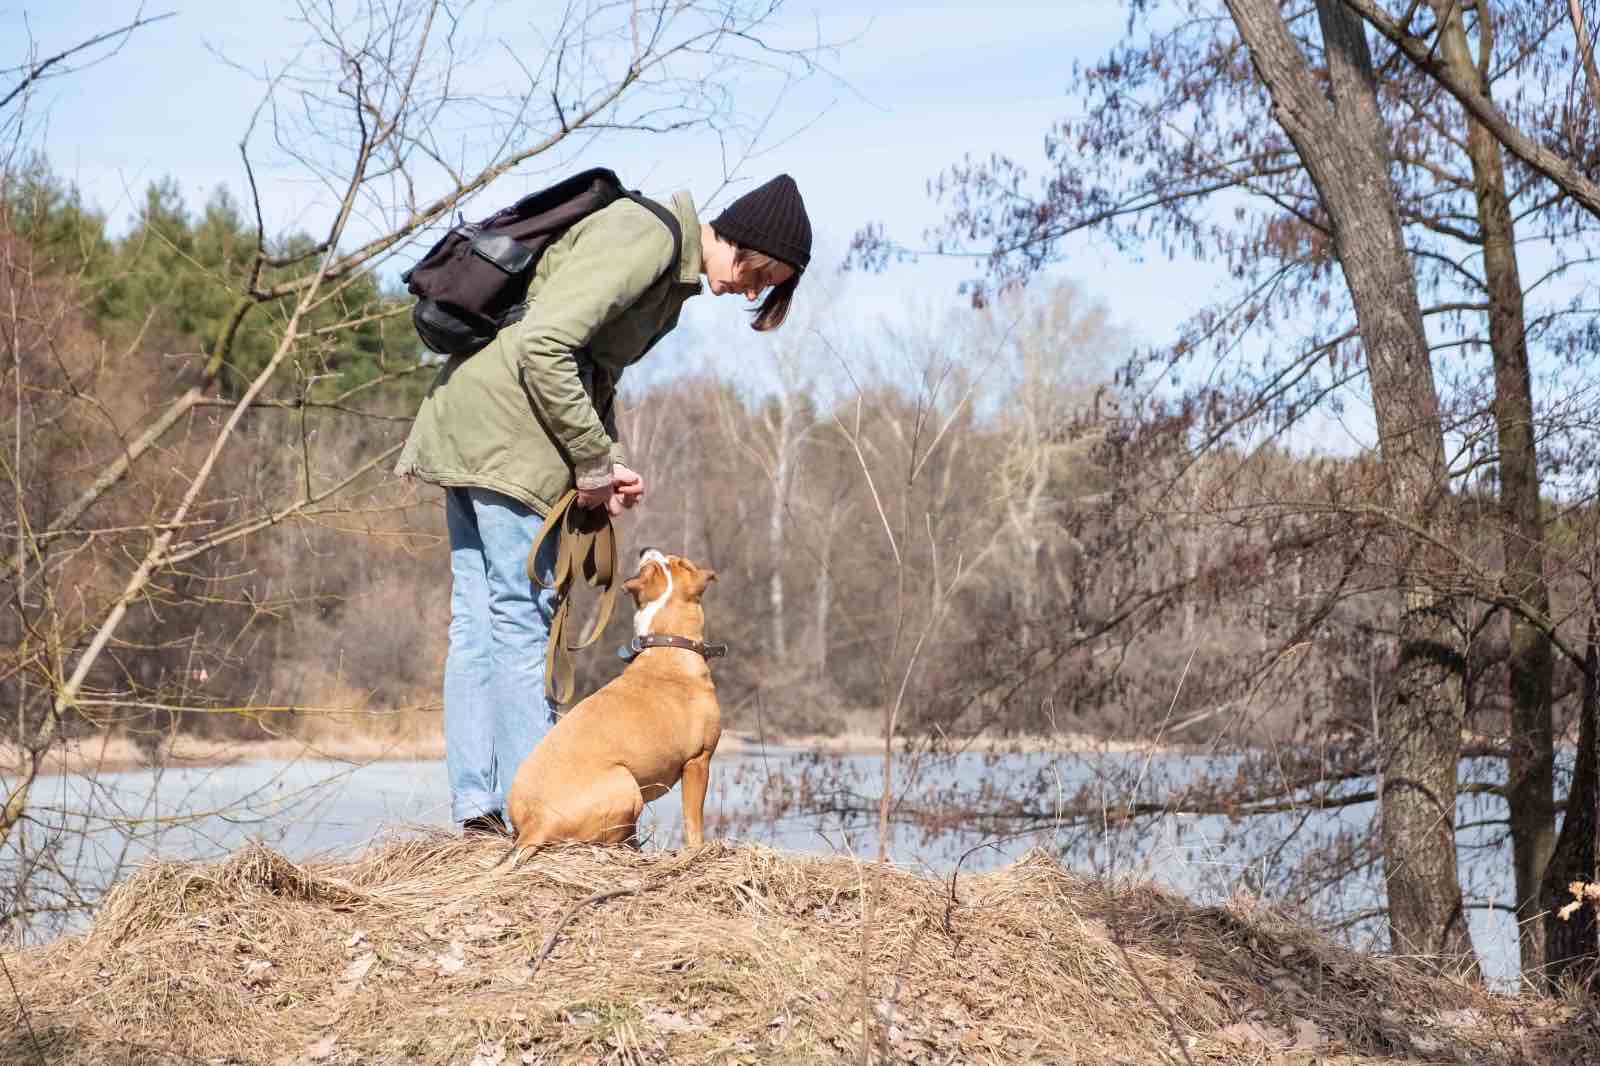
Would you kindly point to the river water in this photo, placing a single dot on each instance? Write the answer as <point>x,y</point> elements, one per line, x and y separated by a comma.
<point>787,799</point>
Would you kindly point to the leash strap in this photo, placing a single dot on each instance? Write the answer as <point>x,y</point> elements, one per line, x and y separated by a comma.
<point>586,544</point>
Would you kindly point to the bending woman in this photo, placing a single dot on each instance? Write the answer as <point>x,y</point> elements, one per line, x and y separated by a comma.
<point>507,431</point>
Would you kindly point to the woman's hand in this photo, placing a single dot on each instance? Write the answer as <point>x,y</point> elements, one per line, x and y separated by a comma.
<point>627,489</point>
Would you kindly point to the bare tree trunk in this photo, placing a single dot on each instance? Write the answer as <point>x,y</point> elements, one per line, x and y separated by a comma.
<point>1269,591</point>
<point>1572,947</point>
<point>836,515</point>
<point>1343,143</point>
<point>687,537</point>
<point>1299,590</point>
<point>1531,779</point>
<point>1580,30</point>
<point>776,449</point>
<point>1193,545</point>
<point>823,591</point>
<point>782,468</point>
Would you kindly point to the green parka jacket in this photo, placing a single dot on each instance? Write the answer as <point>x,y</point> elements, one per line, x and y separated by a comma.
<point>535,410</point>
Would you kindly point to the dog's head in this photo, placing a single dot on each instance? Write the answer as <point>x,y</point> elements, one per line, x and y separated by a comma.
<point>663,583</point>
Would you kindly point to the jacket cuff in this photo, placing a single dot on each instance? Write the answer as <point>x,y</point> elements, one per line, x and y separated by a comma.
<point>593,473</point>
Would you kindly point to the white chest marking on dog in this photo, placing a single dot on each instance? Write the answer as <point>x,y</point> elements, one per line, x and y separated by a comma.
<point>647,613</point>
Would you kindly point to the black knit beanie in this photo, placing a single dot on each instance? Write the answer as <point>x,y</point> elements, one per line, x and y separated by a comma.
<point>770,219</point>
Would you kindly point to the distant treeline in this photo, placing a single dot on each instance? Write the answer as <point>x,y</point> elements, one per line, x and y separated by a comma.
<point>978,535</point>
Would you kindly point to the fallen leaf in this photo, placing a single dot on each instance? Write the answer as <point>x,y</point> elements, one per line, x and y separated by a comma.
<point>1247,1033</point>
<point>488,1055</point>
<point>257,973</point>
<point>673,1022</point>
<point>355,972</point>
<point>321,1049</point>
<point>454,961</point>
<point>1426,1044</point>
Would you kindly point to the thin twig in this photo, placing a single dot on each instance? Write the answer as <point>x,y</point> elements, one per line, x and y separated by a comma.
<point>22,1011</point>
<point>37,71</point>
<point>1172,1023</point>
<point>596,897</point>
<point>603,896</point>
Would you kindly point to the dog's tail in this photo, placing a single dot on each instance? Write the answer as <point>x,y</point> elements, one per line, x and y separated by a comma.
<point>505,864</point>
<point>509,860</point>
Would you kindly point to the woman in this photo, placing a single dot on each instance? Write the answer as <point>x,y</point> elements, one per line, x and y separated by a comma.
<point>508,431</point>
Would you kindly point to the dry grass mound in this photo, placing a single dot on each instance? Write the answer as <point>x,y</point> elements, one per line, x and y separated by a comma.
<point>417,953</point>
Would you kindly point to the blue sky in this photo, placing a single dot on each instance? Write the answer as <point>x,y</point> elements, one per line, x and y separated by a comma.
<point>915,87</point>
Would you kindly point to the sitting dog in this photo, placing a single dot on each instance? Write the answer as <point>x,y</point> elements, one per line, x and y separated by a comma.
<point>635,738</point>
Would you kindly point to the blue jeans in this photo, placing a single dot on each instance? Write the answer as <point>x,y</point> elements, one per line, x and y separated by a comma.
<point>495,709</point>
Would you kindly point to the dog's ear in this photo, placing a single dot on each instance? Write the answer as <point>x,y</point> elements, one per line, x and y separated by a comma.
<point>648,583</point>
<point>697,581</point>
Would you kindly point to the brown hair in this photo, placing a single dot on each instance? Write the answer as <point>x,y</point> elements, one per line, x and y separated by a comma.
<point>775,308</point>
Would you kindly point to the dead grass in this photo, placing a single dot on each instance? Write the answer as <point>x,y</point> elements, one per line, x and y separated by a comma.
<point>735,954</point>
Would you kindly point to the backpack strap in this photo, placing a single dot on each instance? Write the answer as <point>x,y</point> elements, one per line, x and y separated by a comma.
<point>517,311</point>
<point>587,543</point>
<point>668,219</point>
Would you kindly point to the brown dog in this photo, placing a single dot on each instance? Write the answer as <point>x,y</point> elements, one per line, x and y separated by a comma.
<point>633,739</point>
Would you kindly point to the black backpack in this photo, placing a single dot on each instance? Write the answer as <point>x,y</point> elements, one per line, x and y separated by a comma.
<point>474,282</point>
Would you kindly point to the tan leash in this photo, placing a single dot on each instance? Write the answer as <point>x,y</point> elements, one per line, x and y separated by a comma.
<point>588,544</point>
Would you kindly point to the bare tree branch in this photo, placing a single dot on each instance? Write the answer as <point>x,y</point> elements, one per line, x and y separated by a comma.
<point>35,71</point>
<point>1422,55</point>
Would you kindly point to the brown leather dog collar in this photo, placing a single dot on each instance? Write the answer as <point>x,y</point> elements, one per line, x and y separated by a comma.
<point>665,640</point>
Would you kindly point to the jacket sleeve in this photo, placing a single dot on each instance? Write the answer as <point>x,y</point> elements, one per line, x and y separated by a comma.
<point>613,409</point>
<point>614,256</point>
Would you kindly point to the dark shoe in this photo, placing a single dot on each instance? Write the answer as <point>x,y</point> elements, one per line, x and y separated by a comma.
<point>491,823</point>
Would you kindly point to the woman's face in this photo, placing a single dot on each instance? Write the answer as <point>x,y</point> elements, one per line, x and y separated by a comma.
<point>752,274</point>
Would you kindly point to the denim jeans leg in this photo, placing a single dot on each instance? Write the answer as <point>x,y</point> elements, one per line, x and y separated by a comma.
<point>468,679</point>
<point>519,617</point>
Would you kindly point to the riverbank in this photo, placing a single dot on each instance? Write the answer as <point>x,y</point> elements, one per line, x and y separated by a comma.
<point>415,953</point>
<point>113,754</point>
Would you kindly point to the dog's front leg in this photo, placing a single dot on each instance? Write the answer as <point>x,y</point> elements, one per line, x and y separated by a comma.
<point>696,775</point>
